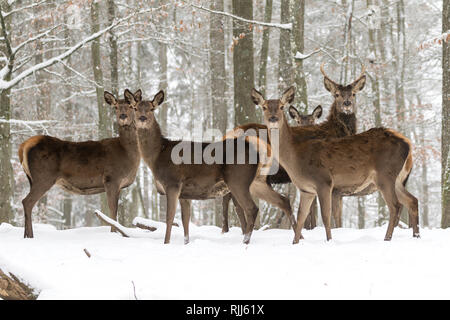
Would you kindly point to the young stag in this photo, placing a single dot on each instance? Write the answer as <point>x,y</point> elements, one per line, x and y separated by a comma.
<point>190,180</point>
<point>379,156</point>
<point>261,188</point>
<point>84,168</point>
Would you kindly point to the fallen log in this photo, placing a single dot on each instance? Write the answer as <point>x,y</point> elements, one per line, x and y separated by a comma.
<point>11,288</point>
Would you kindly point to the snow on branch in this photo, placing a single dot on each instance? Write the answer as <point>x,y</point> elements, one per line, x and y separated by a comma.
<point>301,56</point>
<point>4,85</point>
<point>284,26</point>
<point>112,223</point>
<point>445,37</point>
<point>6,14</point>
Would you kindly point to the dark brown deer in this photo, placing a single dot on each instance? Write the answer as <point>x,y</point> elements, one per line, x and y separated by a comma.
<point>260,187</point>
<point>84,168</point>
<point>380,157</point>
<point>187,180</point>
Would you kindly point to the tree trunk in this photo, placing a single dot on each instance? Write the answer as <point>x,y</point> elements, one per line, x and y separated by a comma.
<point>262,81</point>
<point>243,63</point>
<point>218,81</point>
<point>298,33</point>
<point>285,60</point>
<point>445,140</point>
<point>104,128</point>
<point>6,176</point>
<point>361,213</point>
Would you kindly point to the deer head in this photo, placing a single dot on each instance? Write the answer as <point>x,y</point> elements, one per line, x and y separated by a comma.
<point>144,110</point>
<point>344,96</point>
<point>305,120</point>
<point>124,114</point>
<point>273,109</point>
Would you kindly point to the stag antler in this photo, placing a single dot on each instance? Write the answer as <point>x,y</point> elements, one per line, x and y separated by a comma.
<point>324,74</point>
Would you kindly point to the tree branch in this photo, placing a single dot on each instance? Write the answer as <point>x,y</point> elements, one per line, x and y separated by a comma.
<point>284,26</point>
<point>4,85</point>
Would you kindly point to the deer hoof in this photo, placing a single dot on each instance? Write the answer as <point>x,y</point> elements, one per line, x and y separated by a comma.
<point>416,235</point>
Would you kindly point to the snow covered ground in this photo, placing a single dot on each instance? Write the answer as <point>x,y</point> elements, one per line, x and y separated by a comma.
<point>356,264</point>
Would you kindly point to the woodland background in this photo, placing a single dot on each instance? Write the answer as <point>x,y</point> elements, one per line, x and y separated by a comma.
<point>57,57</point>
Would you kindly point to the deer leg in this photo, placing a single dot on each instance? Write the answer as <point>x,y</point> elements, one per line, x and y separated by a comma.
<point>240,213</point>
<point>112,189</point>
<point>225,207</point>
<point>185,217</point>
<point>262,190</point>
<point>410,202</point>
<point>311,219</point>
<point>172,193</point>
<point>336,209</point>
<point>37,190</point>
<point>389,196</point>
<point>306,200</point>
<point>244,199</point>
<point>324,194</point>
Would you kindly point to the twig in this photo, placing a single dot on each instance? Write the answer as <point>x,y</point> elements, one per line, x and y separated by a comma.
<point>134,290</point>
<point>87,252</point>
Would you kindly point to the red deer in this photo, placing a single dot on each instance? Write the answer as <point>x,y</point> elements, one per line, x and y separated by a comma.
<point>260,187</point>
<point>340,122</point>
<point>84,168</point>
<point>379,156</point>
<point>188,181</point>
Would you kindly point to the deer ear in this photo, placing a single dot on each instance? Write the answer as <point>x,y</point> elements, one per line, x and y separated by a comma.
<point>317,113</point>
<point>138,95</point>
<point>293,112</point>
<point>158,99</point>
<point>129,97</point>
<point>288,96</point>
<point>109,98</point>
<point>257,97</point>
<point>359,84</point>
<point>329,85</point>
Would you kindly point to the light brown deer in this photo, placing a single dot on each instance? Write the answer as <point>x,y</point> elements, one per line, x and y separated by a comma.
<point>260,188</point>
<point>189,180</point>
<point>84,168</point>
<point>379,156</point>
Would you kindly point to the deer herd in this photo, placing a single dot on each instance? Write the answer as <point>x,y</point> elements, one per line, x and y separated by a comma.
<point>328,160</point>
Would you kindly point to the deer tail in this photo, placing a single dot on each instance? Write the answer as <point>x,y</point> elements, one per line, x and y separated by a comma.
<point>23,152</point>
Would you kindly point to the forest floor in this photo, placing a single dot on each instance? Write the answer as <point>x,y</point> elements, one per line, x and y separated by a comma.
<point>356,264</point>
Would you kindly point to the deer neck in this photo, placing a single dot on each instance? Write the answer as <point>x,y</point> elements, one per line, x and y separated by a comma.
<point>128,140</point>
<point>150,143</point>
<point>281,140</point>
<point>343,124</point>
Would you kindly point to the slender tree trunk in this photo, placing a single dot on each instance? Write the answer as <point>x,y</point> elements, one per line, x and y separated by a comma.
<point>262,81</point>
<point>445,140</point>
<point>298,34</point>
<point>6,176</point>
<point>104,128</point>
<point>67,202</point>
<point>218,81</point>
<point>285,62</point>
<point>361,213</point>
<point>243,63</point>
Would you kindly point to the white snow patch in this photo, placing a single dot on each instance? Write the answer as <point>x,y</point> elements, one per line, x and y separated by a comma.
<point>357,264</point>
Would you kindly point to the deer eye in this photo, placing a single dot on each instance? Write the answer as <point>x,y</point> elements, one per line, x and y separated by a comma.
<point>264,108</point>
<point>282,107</point>
<point>337,95</point>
